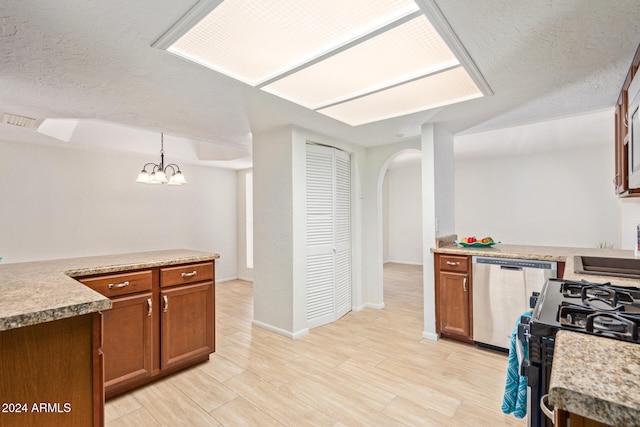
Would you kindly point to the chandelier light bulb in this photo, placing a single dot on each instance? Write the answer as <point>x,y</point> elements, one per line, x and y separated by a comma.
<point>143,177</point>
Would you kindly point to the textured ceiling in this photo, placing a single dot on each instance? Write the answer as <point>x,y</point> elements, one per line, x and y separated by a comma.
<point>89,59</point>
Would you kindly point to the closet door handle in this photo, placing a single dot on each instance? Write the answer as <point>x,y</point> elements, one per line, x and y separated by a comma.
<point>166,303</point>
<point>150,305</point>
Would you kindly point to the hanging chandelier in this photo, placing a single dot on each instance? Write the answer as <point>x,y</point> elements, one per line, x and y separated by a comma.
<point>161,174</point>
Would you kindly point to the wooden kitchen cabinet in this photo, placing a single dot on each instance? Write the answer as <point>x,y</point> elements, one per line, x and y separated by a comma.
<point>128,332</point>
<point>187,323</point>
<point>162,320</point>
<point>621,178</point>
<point>51,374</point>
<point>188,309</point>
<point>568,419</point>
<point>453,292</point>
<point>127,328</point>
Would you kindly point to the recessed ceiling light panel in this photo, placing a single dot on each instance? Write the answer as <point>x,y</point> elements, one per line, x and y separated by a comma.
<point>411,50</point>
<point>254,41</point>
<point>430,92</point>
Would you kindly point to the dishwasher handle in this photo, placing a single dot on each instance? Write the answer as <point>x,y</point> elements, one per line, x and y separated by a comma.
<point>510,267</point>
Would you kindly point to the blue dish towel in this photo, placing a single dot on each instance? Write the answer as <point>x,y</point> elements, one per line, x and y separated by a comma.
<point>515,389</point>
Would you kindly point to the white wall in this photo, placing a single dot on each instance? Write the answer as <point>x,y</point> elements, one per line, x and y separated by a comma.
<point>244,272</point>
<point>555,198</point>
<point>273,231</point>
<point>67,202</point>
<point>279,172</point>
<point>402,212</point>
<point>437,205</point>
<point>629,217</point>
<point>385,218</point>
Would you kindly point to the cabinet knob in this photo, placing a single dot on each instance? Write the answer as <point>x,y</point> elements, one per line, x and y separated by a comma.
<point>166,303</point>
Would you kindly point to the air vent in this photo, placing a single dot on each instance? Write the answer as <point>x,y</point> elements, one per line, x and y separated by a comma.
<point>24,122</point>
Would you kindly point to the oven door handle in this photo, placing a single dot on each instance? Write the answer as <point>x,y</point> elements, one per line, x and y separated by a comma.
<point>544,402</point>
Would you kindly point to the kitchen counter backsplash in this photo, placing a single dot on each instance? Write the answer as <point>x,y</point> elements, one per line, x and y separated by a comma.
<point>41,291</point>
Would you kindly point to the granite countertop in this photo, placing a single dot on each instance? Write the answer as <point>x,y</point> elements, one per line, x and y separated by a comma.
<point>41,291</point>
<point>545,253</point>
<point>596,377</point>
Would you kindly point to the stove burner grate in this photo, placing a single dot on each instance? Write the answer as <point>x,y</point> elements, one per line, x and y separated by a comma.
<point>615,324</point>
<point>602,296</point>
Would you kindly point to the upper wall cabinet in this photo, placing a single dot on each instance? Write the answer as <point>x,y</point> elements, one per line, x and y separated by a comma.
<point>621,178</point>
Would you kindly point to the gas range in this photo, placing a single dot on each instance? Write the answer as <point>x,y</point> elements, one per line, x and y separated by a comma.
<point>594,308</point>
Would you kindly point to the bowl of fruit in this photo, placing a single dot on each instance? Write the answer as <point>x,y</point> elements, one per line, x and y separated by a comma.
<point>472,242</point>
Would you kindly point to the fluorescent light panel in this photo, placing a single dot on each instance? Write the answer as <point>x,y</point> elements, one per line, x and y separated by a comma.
<point>254,41</point>
<point>331,55</point>
<point>410,50</point>
<point>434,91</point>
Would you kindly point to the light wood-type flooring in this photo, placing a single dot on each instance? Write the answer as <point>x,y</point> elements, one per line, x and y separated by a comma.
<point>371,368</point>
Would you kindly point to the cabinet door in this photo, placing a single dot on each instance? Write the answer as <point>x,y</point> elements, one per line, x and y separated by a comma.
<point>187,323</point>
<point>127,336</point>
<point>454,306</point>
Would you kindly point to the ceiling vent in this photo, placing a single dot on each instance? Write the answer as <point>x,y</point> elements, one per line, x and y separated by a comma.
<point>22,121</point>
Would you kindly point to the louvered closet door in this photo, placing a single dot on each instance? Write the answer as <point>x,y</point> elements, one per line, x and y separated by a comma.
<point>328,235</point>
<point>342,233</point>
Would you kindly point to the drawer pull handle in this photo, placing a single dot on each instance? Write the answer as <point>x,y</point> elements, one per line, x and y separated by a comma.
<point>150,304</point>
<point>464,284</point>
<point>456,263</point>
<point>118,285</point>
<point>166,303</point>
<point>193,273</point>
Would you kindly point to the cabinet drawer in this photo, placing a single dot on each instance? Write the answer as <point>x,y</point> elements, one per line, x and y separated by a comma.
<point>180,275</point>
<point>120,284</point>
<point>454,263</point>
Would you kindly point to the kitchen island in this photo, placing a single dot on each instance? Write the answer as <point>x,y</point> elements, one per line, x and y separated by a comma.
<point>51,362</point>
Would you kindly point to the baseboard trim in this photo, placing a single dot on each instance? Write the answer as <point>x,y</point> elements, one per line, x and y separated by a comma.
<point>279,331</point>
<point>430,336</point>
<point>403,262</point>
<point>246,279</point>
<point>226,279</point>
<point>371,305</point>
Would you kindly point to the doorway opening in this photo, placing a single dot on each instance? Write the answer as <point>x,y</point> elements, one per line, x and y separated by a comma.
<point>401,196</point>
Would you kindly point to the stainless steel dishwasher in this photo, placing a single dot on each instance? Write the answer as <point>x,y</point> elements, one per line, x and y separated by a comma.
<point>501,291</point>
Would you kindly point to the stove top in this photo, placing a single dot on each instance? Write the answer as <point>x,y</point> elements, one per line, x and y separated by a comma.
<point>594,308</point>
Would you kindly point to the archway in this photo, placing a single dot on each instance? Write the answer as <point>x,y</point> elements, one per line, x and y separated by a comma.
<point>400,207</point>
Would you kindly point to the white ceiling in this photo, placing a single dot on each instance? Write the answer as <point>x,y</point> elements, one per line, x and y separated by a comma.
<point>79,59</point>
